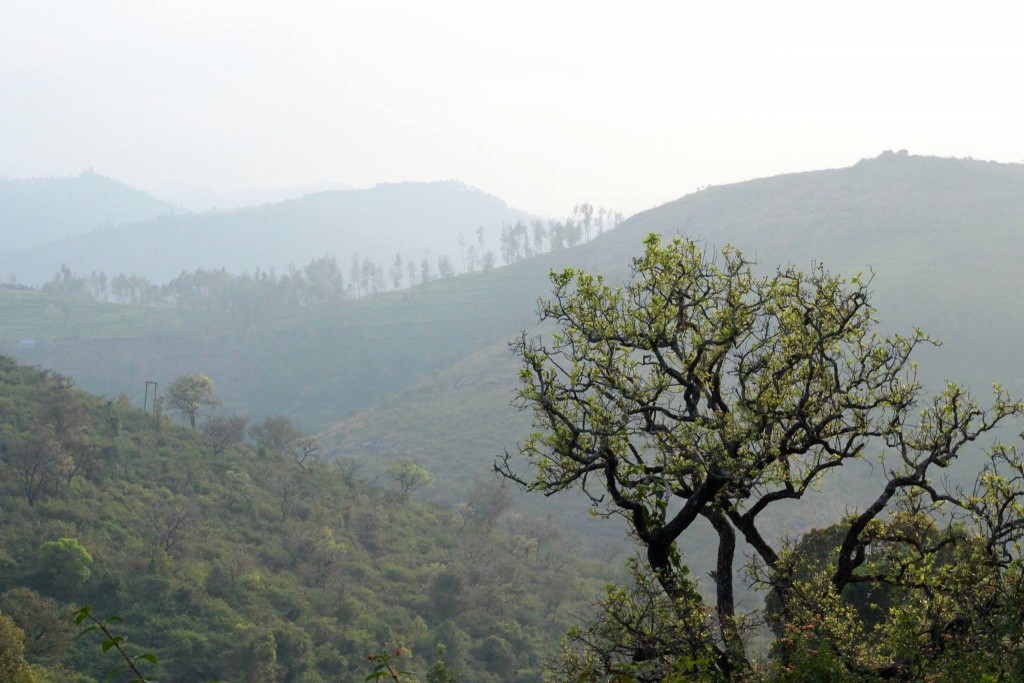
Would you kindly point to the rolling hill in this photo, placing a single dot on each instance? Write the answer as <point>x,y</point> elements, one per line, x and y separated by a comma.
<point>942,237</point>
<point>201,199</point>
<point>416,219</point>
<point>382,374</point>
<point>39,210</point>
<point>425,372</point>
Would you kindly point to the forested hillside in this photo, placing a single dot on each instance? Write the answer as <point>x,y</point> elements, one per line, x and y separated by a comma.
<point>939,235</point>
<point>241,564</point>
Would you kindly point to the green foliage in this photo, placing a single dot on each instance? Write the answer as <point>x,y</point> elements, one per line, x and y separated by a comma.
<point>642,635</point>
<point>385,667</point>
<point>46,623</point>
<point>235,566</point>
<point>191,394</point>
<point>116,643</point>
<point>278,436</point>
<point>13,666</point>
<point>63,567</point>
<point>225,432</point>
<point>439,672</point>
<point>275,435</point>
<point>408,475</point>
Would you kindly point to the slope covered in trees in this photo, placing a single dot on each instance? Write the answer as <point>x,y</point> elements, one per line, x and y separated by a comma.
<point>247,565</point>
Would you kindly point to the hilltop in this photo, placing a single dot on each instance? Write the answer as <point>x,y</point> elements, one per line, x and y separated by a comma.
<point>39,210</point>
<point>198,199</point>
<point>415,219</point>
<point>941,237</point>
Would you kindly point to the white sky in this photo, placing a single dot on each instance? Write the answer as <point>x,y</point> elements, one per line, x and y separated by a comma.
<point>545,104</point>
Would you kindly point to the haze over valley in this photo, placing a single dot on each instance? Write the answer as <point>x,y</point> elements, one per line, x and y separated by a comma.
<point>398,341</point>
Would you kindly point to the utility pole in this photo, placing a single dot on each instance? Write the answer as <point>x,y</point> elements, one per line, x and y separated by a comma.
<point>145,401</point>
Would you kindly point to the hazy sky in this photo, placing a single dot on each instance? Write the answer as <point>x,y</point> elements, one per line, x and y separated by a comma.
<point>626,104</point>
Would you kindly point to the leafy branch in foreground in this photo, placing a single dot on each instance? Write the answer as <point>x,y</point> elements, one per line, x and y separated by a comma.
<point>384,668</point>
<point>111,641</point>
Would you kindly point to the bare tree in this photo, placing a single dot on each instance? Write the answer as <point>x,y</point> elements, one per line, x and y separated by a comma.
<point>39,461</point>
<point>225,432</point>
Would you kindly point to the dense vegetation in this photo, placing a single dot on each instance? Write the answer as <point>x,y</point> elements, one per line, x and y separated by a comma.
<point>250,565</point>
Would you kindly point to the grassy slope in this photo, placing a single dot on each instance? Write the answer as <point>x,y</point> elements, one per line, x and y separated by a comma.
<point>315,365</point>
<point>457,407</point>
<point>44,318</point>
<point>941,235</point>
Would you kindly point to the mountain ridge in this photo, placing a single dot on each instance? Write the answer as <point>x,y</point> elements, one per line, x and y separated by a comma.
<point>419,219</point>
<point>378,375</point>
<point>934,264</point>
<point>35,211</point>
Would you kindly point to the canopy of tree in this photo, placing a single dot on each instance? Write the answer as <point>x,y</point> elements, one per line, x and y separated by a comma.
<point>191,394</point>
<point>703,391</point>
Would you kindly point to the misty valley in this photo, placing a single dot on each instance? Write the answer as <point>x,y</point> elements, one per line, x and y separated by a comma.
<point>767,431</point>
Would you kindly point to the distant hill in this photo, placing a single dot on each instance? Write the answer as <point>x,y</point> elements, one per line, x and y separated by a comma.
<point>943,237</point>
<point>39,210</point>
<point>424,371</point>
<point>315,364</point>
<point>200,199</point>
<point>414,219</point>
